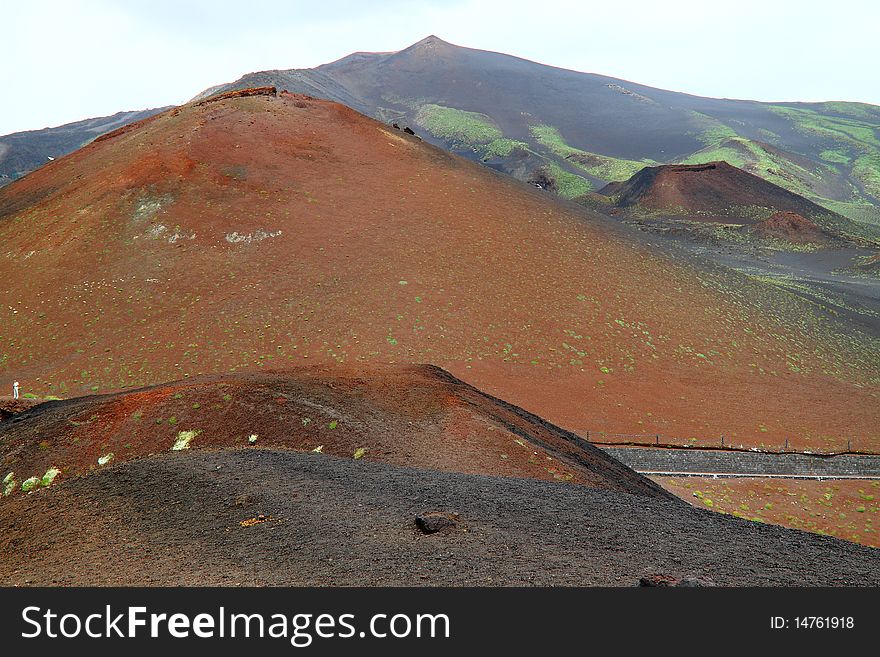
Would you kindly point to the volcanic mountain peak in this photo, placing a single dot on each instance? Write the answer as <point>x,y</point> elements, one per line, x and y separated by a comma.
<point>430,52</point>
<point>281,230</point>
<point>430,41</point>
<point>587,130</point>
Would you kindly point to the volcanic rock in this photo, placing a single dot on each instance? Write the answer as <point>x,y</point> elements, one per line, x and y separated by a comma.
<point>431,522</point>
<point>658,580</point>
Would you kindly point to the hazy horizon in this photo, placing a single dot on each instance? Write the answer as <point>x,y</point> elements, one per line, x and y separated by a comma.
<point>98,57</point>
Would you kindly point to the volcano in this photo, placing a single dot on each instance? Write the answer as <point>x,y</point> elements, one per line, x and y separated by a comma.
<point>717,191</point>
<point>579,131</point>
<point>568,131</point>
<point>260,230</point>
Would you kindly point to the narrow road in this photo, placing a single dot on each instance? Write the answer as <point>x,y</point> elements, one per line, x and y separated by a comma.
<point>719,463</point>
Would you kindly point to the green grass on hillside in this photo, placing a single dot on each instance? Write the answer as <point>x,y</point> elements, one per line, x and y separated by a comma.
<point>458,126</point>
<point>835,155</point>
<point>569,185</point>
<point>856,153</point>
<point>728,152</point>
<point>502,147</point>
<point>856,138</point>
<point>711,131</point>
<point>867,169</point>
<point>604,167</point>
<point>853,132</point>
<point>722,143</point>
<point>856,110</point>
<point>860,211</point>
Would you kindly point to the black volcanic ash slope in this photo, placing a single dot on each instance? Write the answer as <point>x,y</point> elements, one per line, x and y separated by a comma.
<point>330,521</point>
<point>22,152</point>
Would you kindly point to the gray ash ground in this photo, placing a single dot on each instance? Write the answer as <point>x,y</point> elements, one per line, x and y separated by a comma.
<point>176,519</point>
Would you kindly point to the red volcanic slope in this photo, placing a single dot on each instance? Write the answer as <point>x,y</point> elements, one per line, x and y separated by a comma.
<point>266,231</point>
<point>715,188</point>
<point>416,416</point>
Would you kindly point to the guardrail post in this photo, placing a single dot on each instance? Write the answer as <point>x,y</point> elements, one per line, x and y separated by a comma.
<point>722,440</point>
<point>657,439</point>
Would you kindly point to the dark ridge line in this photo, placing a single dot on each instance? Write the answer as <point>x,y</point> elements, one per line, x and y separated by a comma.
<point>607,467</point>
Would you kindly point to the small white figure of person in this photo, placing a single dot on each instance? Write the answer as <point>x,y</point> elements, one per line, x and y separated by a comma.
<point>15,390</point>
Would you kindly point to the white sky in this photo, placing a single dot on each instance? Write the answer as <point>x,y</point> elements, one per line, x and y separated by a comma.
<point>68,60</point>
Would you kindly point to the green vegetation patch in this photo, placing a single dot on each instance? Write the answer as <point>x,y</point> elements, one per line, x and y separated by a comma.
<point>856,135</point>
<point>850,140</point>
<point>30,484</point>
<point>835,155</point>
<point>9,484</point>
<point>49,477</point>
<point>608,168</point>
<point>856,110</point>
<point>458,126</point>
<point>842,130</point>
<point>860,211</point>
<point>729,152</point>
<point>502,147</point>
<point>867,169</point>
<point>568,185</point>
<point>711,131</point>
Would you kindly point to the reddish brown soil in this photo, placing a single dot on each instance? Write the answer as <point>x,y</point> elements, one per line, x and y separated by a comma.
<point>791,227</point>
<point>713,190</point>
<point>845,508</point>
<point>269,231</point>
<point>10,406</point>
<point>403,415</point>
